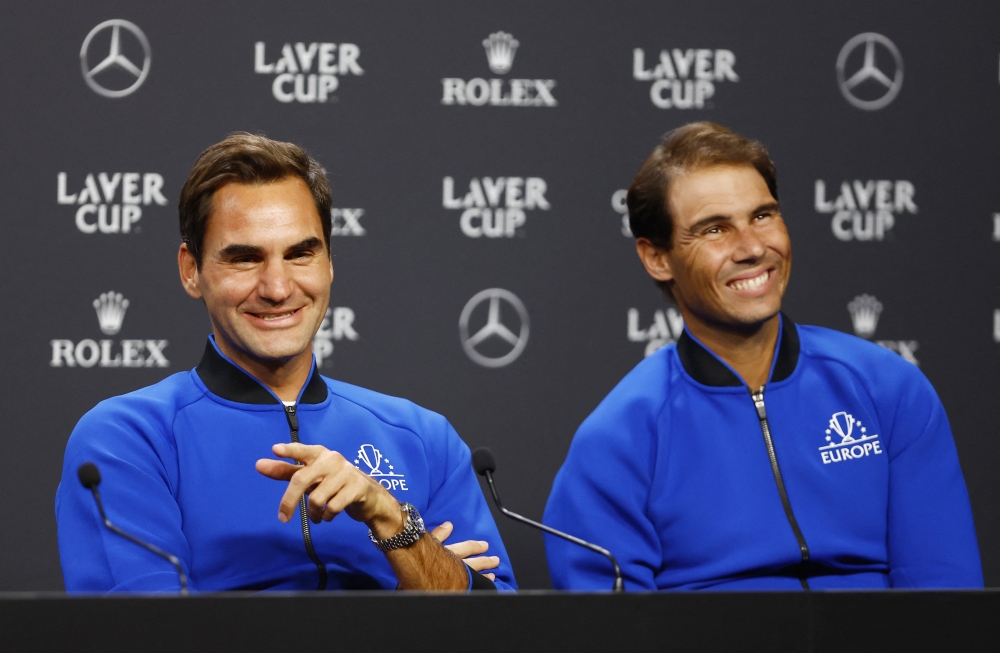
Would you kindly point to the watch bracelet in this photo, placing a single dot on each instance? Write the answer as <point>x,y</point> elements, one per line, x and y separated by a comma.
<point>401,539</point>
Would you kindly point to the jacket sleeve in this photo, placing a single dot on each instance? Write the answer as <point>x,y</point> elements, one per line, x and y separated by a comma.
<point>455,496</point>
<point>138,467</point>
<point>931,535</point>
<point>600,495</point>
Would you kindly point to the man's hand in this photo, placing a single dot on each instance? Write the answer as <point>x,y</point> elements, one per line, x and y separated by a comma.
<point>334,485</point>
<point>465,550</point>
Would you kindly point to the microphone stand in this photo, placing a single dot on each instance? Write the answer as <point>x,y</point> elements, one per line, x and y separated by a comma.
<point>172,559</point>
<point>619,585</point>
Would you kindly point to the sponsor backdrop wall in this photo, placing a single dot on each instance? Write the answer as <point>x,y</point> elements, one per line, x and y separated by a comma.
<point>478,154</point>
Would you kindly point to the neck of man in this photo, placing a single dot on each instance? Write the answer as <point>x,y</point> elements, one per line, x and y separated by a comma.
<point>748,349</point>
<point>283,377</point>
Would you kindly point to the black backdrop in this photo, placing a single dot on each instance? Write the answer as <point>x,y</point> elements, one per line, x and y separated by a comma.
<point>394,128</point>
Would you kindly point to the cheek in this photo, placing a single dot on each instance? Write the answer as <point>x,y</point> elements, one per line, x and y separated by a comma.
<point>704,262</point>
<point>315,280</point>
<point>778,240</point>
<point>228,289</point>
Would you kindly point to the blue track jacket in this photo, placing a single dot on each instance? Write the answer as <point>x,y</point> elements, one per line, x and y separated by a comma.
<point>673,474</point>
<point>177,460</point>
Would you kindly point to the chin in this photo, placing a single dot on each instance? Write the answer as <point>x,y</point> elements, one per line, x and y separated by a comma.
<point>277,349</point>
<point>754,315</point>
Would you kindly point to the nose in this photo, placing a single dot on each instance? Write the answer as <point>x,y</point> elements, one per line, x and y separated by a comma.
<point>275,283</point>
<point>749,246</point>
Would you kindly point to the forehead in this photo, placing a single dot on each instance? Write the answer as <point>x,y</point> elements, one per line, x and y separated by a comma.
<point>262,212</point>
<point>722,189</point>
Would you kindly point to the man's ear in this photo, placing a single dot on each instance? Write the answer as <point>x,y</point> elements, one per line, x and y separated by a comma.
<point>188,268</point>
<point>654,259</point>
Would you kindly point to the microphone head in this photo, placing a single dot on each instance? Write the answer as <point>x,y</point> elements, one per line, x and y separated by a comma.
<point>482,461</point>
<point>90,476</point>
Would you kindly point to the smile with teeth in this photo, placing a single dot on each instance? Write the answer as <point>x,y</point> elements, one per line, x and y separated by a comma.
<point>751,284</point>
<point>269,317</point>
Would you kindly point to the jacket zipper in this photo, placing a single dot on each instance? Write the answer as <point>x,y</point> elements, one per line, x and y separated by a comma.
<point>293,428</point>
<point>758,402</point>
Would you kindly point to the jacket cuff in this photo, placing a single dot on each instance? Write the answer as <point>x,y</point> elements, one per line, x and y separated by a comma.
<point>479,582</point>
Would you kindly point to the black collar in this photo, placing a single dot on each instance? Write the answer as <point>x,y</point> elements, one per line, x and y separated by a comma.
<point>706,369</point>
<point>228,381</point>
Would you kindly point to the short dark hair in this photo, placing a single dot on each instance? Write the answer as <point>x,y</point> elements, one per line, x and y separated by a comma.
<point>691,147</point>
<point>245,158</point>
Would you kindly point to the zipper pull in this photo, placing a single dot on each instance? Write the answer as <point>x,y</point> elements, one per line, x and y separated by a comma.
<point>293,420</point>
<point>758,402</point>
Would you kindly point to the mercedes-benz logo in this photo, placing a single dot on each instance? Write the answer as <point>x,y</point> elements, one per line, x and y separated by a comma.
<point>868,98</point>
<point>116,59</point>
<point>494,332</point>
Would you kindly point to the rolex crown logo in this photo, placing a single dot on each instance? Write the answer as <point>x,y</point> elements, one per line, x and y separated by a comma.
<point>500,49</point>
<point>110,307</point>
<point>865,310</point>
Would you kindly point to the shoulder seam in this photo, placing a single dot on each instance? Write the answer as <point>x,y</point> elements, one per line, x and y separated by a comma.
<point>379,417</point>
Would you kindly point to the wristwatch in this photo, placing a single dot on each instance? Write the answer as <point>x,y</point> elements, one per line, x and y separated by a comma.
<point>412,531</point>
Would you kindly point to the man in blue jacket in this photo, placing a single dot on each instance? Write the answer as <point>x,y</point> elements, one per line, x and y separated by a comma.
<point>193,464</point>
<point>755,453</point>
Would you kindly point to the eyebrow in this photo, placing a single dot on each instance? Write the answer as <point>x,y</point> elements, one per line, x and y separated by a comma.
<point>767,206</point>
<point>240,250</point>
<point>308,243</point>
<point>236,249</point>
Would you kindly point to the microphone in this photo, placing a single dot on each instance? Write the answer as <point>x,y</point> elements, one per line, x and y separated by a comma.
<point>485,465</point>
<point>90,478</point>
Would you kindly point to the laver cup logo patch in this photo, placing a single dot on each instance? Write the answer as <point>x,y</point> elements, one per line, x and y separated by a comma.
<point>848,439</point>
<point>500,49</point>
<point>307,72</point>
<point>111,308</point>
<point>338,324</point>
<point>371,461</point>
<point>495,207</point>
<point>667,326</point>
<point>684,79</point>
<point>865,209</point>
<point>110,203</point>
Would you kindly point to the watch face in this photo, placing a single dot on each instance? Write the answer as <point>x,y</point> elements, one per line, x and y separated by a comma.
<point>416,519</point>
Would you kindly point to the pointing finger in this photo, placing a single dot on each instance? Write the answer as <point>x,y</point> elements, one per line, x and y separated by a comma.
<point>279,470</point>
<point>304,453</point>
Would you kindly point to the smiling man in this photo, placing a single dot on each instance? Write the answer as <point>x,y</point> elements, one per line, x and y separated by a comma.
<point>755,453</point>
<point>194,463</point>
